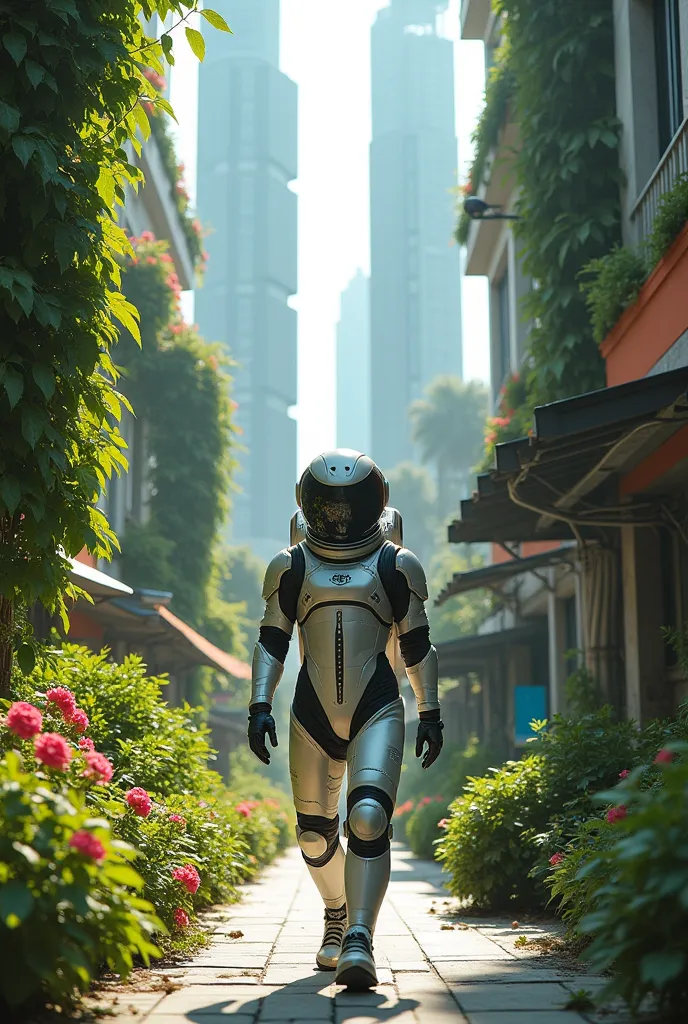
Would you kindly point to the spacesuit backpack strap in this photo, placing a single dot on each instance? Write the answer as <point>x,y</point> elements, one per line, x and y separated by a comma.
<point>281,589</point>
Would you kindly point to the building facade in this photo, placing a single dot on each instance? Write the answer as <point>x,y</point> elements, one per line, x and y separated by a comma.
<point>415,303</point>
<point>353,366</point>
<point>603,479</point>
<point>247,152</point>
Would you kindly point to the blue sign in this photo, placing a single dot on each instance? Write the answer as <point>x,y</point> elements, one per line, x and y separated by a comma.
<point>529,702</point>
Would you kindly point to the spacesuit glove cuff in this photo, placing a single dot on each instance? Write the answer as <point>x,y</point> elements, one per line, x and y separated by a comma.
<point>260,706</point>
<point>430,716</point>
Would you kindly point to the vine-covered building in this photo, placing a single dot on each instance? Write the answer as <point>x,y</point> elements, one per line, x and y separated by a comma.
<point>247,152</point>
<point>415,304</point>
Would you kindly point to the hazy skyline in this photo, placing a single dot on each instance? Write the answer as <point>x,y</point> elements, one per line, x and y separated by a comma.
<point>325,49</point>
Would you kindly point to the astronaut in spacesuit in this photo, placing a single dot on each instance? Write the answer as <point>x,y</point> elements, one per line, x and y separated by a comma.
<point>347,588</point>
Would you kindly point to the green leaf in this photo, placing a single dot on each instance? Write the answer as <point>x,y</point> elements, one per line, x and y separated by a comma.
<point>161,102</point>
<point>16,903</point>
<point>10,492</point>
<point>15,44</point>
<point>23,147</point>
<point>196,42</point>
<point>659,968</point>
<point>9,118</point>
<point>27,852</point>
<point>32,421</point>
<point>124,875</point>
<point>45,378</point>
<point>216,20</point>
<point>26,659</point>
<point>167,46</point>
<point>125,313</point>
<point>14,385</point>
<point>34,72</point>
<point>64,246</point>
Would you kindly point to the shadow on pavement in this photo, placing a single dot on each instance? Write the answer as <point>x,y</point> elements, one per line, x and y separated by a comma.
<point>299,1001</point>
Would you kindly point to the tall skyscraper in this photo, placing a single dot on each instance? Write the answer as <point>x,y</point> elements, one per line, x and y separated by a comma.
<point>353,366</point>
<point>247,139</point>
<point>415,298</point>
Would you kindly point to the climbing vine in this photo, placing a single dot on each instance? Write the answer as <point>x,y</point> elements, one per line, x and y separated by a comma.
<point>562,60</point>
<point>71,85</point>
<point>179,383</point>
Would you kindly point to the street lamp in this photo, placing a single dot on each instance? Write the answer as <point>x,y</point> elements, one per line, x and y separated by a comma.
<point>477,209</point>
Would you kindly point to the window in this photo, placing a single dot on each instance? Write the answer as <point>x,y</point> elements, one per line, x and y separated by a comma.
<point>668,64</point>
<point>504,315</point>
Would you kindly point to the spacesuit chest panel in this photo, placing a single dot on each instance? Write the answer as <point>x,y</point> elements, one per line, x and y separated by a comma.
<point>339,584</point>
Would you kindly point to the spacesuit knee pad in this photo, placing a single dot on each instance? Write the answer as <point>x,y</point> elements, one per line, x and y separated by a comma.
<point>368,827</point>
<point>318,838</point>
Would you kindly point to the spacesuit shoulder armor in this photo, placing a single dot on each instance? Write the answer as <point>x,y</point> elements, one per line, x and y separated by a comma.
<point>413,571</point>
<point>275,571</point>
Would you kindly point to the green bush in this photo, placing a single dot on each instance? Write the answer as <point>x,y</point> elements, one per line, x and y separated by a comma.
<point>422,825</point>
<point>486,846</point>
<point>181,818</point>
<point>503,830</point>
<point>671,217</point>
<point>612,283</point>
<point>62,912</point>
<point>639,897</point>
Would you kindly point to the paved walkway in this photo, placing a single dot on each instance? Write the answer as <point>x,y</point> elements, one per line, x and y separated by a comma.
<point>432,970</point>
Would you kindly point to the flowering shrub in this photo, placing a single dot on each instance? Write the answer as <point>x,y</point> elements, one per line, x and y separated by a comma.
<point>422,825</point>
<point>623,882</point>
<point>514,419</point>
<point>68,898</point>
<point>141,777</point>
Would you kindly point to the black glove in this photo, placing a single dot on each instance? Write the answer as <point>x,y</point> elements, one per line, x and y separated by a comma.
<point>260,723</point>
<point>429,731</point>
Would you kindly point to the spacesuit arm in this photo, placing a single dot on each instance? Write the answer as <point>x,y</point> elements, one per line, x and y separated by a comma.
<point>420,657</point>
<point>276,630</point>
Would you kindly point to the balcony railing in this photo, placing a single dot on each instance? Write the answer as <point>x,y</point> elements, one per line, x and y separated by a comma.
<point>673,163</point>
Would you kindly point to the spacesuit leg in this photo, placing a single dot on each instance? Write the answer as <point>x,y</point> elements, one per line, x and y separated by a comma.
<point>316,781</point>
<point>374,765</point>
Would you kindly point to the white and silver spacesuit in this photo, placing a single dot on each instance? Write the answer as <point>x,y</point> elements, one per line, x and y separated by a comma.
<point>348,589</point>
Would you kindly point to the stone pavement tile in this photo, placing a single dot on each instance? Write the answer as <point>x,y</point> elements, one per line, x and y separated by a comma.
<point>294,956</point>
<point>306,976</point>
<point>281,1007</point>
<point>464,971</point>
<point>413,966</point>
<point>214,976</point>
<point>525,1017</point>
<point>359,1015</point>
<point>199,1000</point>
<point>528,996</point>
<point>123,1007</point>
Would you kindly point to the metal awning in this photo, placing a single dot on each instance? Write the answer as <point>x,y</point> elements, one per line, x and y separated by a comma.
<point>472,653</point>
<point>214,656</point>
<point>568,470</point>
<point>95,582</point>
<point>499,572</point>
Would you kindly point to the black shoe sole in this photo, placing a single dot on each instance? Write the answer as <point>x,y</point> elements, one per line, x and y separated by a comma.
<point>357,978</point>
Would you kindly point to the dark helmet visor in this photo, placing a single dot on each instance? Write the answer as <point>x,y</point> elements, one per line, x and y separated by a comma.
<point>342,515</point>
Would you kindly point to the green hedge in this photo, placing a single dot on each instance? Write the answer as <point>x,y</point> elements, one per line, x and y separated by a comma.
<point>158,835</point>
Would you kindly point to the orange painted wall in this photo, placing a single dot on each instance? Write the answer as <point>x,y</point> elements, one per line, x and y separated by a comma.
<point>528,548</point>
<point>649,327</point>
<point>654,467</point>
<point>86,558</point>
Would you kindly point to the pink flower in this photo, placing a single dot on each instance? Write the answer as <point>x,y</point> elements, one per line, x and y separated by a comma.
<point>147,236</point>
<point>425,801</point>
<point>556,858</point>
<point>24,720</point>
<point>615,814</point>
<point>151,259</point>
<point>64,699</point>
<point>181,918</point>
<point>443,823</point>
<point>88,845</point>
<point>188,876</point>
<point>86,743</point>
<point>139,801</point>
<point>53,750</point>
<point>166,258</point>
<point>664,756</point>
<point>177,819</point>
<point>80,720</point>
<point>244,809</point>
<point>624,774</point>
<point>99,767</point>
<point>202,803</point>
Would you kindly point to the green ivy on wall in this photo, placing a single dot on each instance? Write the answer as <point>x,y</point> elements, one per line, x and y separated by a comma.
<point>562,60</point>
<point>178,383</point>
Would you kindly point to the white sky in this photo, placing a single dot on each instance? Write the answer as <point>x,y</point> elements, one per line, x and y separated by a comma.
<point>325,49</point>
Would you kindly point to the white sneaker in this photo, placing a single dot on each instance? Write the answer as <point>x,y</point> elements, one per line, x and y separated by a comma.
<point>335,924</point>
<point>356,967</point>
